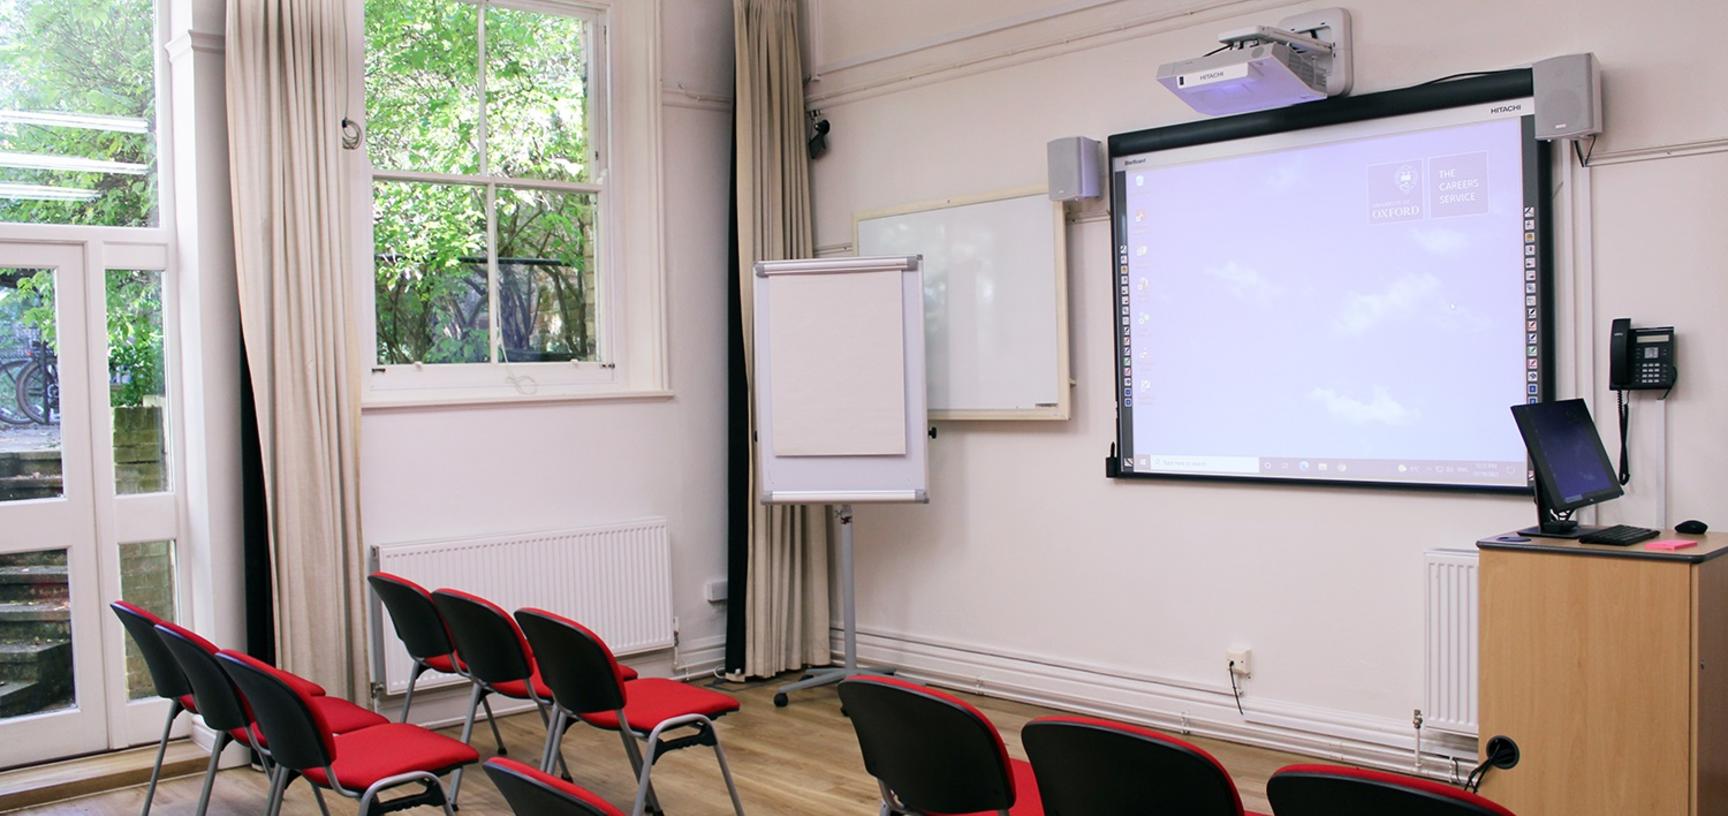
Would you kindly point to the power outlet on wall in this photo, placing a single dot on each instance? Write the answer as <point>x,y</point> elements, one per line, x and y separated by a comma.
<point>1241,661</point>
<point>715,591</point>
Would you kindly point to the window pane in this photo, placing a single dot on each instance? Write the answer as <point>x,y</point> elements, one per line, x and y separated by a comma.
<point>536,95</point>
<point>422,85</point>
<point>430,269</point>
<point>146,579</point>
<point>78,112</point>
<point>136,392</point>
<point>29,387</point>
<point>546,292</point>
<point>35,634</point>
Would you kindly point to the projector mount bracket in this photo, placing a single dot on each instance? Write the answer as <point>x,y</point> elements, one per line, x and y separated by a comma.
<point>1322,32</point>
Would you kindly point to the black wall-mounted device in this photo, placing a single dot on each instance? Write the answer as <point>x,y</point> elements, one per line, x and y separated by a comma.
<point>1640,359</point>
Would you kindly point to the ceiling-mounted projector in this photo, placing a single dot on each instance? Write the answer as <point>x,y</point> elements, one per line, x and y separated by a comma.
<point>1303,59</point>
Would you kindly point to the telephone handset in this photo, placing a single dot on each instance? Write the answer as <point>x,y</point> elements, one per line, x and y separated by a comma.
<point>1640,359</point>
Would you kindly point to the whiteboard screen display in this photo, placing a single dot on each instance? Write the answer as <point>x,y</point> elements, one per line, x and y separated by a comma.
<point>993,325</point>
<point>1359,302</point>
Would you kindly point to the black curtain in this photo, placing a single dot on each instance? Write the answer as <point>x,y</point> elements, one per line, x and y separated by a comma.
<point>260,601</point>
<point>737,438</point>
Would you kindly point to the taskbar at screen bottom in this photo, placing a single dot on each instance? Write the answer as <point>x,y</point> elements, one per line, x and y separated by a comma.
<point>1394,471</point>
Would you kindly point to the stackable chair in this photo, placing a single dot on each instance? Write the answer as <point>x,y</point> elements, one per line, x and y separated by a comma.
<point>1331,790</point>
<point>532,792</point>
<point>933,753</point>
<point>426,637</point>
<point>359,764</point>
<point>587,683</point>
<point>1087,766</point>
<point>226,712</point>
<point>496,655</point>
<point>165,675</point>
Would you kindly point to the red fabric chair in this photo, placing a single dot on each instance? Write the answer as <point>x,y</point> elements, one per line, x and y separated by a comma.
<point>587,683</point>
<point>532,792</point>
<point>932,753</point>
<point>1086,765</point>
<point>171,684</point>
<point>359,764</point>
<point>1331,790</point>
<point>425,635</point>
<point>496,655</point>
<point>226,711</point>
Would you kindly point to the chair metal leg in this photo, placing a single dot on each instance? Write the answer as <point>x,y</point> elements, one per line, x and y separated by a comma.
<point>726,774</point>
<point>554,732</point>
<point>557,752</point>
<point>493,721</point>
<point>174,709</point>
<point>475,700</point>
<point>408,702</point>
<point>318,793</point>
<point>646,801</point>
<point>222,740</point>
<point>278,781</point>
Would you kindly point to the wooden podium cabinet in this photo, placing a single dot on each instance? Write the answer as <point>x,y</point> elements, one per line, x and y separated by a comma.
<point>1609,667</point>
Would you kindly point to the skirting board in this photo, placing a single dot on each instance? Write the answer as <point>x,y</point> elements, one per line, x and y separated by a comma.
<point>1177,707</point>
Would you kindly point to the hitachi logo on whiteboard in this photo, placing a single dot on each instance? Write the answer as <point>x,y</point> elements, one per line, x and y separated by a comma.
<point>1502,110</point>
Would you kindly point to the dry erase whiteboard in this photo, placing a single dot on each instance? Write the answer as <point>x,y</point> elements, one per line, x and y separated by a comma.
<point>995,300</point>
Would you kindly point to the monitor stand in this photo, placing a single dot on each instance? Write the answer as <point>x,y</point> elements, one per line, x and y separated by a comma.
<point>1548,522</point>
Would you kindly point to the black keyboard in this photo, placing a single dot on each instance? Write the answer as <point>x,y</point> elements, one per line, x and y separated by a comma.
<point>1620,535</point>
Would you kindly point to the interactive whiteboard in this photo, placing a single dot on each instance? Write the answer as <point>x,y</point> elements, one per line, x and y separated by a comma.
<point>839,381</point>
<point>995,300</point>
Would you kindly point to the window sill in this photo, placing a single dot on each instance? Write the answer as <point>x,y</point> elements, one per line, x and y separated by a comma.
<point>399,401</point>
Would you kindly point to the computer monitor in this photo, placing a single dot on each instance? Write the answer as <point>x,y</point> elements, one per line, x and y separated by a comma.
<point>1572,467</point>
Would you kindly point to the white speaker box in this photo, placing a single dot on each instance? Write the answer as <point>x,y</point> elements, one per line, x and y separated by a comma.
<point>1568,97</point>
<point>1074,169</point>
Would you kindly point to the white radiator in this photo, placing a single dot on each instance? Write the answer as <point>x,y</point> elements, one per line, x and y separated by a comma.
<point>1450,695</point>
<point>616,580</point>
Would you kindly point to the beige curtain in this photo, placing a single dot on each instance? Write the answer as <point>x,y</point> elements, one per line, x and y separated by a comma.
<point>787,590</point>
<point>286,70</point>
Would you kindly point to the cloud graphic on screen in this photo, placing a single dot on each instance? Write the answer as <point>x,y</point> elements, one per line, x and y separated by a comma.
<point>1440,240</point>
<point>1363,312</point>
<point>1381,410</point>
<point>1245,282</point>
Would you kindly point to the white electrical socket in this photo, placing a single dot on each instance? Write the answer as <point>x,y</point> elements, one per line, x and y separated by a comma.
<point>1241,661</point>
<point>715,591</point>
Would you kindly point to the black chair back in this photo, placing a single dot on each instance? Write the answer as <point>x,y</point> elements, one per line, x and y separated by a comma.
<point>574,662</point>
<point>1324,790</point>
<point>165,674</point>
<point>218,700</point>
<point>298,736</point>
<point>1089,766</point>
<point>487,640</point>
<point>935,752</point>
<point>531,793</point>
<point>413,614</point>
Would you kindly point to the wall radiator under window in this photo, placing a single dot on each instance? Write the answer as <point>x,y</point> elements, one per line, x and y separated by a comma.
<point>1450,688</point>
<point>616,580</point>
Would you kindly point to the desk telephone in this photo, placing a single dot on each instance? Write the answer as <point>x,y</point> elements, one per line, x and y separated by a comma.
<point>1640,359</point>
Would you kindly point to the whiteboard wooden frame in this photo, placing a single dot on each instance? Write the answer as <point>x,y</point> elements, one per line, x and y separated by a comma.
<point>1059,230</point>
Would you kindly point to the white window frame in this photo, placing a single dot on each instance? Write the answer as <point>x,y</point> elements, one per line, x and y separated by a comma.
<point>624,124</point>
<point>133,518</point>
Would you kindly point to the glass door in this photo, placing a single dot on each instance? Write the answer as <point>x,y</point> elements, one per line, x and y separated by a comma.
<point>53,700</point>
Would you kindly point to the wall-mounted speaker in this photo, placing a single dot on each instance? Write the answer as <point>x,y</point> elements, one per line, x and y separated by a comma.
<point>1568,97</point>
<point>1074,168</point>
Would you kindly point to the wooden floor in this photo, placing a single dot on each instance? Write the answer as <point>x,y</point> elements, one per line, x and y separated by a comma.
<point>794,761</point>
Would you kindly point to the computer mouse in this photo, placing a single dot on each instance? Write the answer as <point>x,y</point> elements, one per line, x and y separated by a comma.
<point>1693,527</point>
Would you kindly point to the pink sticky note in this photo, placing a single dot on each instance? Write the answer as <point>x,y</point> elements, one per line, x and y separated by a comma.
<point>1670,544</point>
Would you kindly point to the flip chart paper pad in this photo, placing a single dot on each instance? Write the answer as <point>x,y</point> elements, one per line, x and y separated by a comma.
<point>839,384</point>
